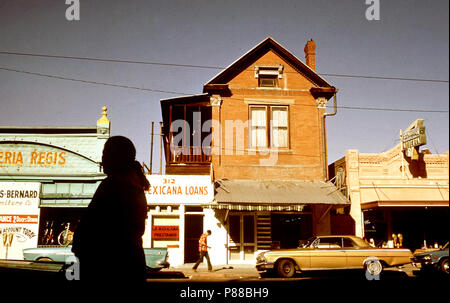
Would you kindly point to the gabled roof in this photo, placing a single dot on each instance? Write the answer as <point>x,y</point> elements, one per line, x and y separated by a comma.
<point>262,48</point>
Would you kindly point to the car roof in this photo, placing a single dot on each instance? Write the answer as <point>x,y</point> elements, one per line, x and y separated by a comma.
<point>337,236</point>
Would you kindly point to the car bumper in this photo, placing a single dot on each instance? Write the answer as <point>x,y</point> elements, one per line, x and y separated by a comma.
<point>422,263</point>
<point>265,266</point>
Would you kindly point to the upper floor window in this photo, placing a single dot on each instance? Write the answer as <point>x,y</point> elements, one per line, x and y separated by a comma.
<point>269,126</point>
<point>268,75</point>
<point>267,81</point>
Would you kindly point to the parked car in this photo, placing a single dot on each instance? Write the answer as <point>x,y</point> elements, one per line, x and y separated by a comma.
<point>156,258</point>
<point>430,260</point>
<point>331,252</point>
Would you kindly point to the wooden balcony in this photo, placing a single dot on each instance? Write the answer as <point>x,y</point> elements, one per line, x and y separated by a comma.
<point>187,160</point>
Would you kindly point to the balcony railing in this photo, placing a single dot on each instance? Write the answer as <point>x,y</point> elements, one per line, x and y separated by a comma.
<point>188,154</point>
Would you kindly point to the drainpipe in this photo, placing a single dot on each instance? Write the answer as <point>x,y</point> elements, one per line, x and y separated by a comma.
<point>325,164</point>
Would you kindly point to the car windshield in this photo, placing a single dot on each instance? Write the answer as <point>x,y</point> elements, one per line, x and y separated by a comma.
<point>306,243</point>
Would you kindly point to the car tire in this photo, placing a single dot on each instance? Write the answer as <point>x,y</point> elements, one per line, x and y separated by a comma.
<point>443,266</point>
<point>286,268</point>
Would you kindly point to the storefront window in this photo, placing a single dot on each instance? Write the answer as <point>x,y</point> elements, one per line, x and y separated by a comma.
<point>289,229</point>
<point>249,229</point>
<point>235,229</point>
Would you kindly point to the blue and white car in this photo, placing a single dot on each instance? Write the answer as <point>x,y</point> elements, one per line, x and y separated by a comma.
<point>156,258</point>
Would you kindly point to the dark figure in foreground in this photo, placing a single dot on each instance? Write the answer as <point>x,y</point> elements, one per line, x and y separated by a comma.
<point>114,218</point>
<point>203,250</point>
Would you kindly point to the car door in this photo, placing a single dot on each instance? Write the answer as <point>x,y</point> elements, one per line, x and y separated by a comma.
<point>328,253</point>
<point>355,254</point>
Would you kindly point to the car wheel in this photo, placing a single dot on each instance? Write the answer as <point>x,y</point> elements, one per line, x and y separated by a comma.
<point>444,266</point>
<point>373,267</point>
<point>286,268</point>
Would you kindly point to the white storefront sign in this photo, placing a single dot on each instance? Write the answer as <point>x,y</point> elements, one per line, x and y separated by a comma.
<point>180,189</point>
<point>19,218</point>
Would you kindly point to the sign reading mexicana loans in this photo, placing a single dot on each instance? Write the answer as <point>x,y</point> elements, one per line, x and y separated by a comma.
<point>179,189</point>
<point>19,218</point>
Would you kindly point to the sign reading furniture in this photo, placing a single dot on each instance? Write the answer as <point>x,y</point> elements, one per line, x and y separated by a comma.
<point>413,137</point>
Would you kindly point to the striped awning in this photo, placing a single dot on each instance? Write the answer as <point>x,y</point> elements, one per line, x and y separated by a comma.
<point>247,207</point>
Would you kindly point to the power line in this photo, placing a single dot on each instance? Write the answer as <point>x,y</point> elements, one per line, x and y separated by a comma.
<point>188,94</point>
<point>393,109</point>
<point>387,78</point>
<point>92,82</point>
<point>209,67</point>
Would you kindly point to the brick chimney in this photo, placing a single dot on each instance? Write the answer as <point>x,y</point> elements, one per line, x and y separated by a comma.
<point>310,54</point>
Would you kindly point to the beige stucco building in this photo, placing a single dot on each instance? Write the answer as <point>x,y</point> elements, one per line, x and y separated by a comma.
<point>392,194</point>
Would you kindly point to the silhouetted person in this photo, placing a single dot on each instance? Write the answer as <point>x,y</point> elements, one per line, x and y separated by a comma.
<point>203,250</point>
<point>108,240</point>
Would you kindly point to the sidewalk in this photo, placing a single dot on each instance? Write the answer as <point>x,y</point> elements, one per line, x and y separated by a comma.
<point>244,271</point>
<point>219,272</point>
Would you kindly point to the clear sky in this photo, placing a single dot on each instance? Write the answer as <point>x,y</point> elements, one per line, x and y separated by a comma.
<point>411,40</point>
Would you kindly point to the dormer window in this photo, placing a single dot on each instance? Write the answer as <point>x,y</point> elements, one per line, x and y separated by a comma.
<point>268,75</point>
<point>267,81</point>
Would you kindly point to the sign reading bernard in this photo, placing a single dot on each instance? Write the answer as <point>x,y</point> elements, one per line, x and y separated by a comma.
<point>19,218</point>
<point>179,189</point>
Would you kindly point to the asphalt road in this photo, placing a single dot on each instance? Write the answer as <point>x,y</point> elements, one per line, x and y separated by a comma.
<point>242,283</point>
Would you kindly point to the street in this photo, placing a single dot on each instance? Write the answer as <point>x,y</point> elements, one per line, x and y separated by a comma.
<point>243,283</point>
<point>248,273</point>
<point>238,283</point>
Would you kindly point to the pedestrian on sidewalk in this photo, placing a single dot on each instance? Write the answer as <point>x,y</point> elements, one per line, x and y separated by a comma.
<point>203,250</point>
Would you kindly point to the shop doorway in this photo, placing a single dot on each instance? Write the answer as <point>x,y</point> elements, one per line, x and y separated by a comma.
<point>418,225</point>
<point>193,229</point>
<point>289,229</point>
<point>241,238</point>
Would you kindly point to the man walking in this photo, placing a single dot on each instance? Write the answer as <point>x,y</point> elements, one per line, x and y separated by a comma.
<point>203,250</point>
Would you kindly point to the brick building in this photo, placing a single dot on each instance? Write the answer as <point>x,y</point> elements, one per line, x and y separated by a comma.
<point>258,129</point>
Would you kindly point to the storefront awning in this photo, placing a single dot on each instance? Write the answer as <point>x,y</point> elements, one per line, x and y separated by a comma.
<point>274,195</point>
<point>413,203</point>
<point>67,194</point>
<point>247,207</point>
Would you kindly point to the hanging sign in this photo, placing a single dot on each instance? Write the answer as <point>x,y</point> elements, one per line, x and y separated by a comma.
<point>413,137</point>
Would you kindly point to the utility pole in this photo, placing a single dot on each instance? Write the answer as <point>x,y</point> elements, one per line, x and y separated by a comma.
<point>151,149</point>
<point>161,139</point>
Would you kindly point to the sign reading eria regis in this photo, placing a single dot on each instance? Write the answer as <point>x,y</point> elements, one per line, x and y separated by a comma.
<point>179,189</point>
<point>165,232</point>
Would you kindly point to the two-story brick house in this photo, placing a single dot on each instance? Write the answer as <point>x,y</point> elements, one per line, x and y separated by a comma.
<point>258,129</point>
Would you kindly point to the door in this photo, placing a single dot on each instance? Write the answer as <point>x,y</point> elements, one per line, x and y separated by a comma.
<point>241,238</point>
<point>192,231</point>
<point>328,253</point>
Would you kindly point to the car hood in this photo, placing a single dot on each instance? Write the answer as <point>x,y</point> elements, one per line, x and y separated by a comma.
<point>424,252</point>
